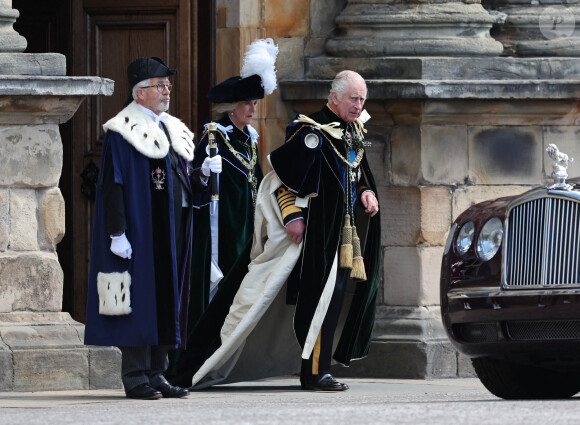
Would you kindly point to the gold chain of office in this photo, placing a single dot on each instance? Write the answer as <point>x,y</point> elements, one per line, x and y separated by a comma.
<point>359,152</point>
<point>249,165</point>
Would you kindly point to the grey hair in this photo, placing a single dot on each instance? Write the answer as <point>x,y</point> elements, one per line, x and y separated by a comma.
<point>140,84</point>
<point>221,109</point>
<point>341,82</point>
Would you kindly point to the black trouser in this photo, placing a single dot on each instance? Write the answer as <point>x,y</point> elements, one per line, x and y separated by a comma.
<point>321,357</point>
<point>143,365</point>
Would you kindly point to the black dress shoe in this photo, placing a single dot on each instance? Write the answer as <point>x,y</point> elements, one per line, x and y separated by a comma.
<point>324,382</point>
<point>172,391</point>
<point>144,392</point>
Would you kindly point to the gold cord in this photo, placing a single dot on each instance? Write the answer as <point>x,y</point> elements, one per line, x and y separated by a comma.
<point>249,165</point>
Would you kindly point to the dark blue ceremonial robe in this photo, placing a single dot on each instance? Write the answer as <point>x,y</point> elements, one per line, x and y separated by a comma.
<point>153,321</point>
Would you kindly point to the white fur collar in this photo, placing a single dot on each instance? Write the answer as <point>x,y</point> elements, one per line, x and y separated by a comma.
<point>141,132</point>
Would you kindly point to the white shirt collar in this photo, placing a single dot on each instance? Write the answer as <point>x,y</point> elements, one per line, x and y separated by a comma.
<point>162,117</point>
<point>251,130</point>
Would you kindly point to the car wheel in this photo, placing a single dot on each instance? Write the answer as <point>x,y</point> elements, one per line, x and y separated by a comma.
<point>516,381</point>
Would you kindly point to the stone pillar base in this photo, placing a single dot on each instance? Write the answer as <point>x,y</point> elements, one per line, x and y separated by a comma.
<point>409,343</point>
<point>540,30</point>
<point>45,352</point>
<point>409,28</point>
<point>10,40</point>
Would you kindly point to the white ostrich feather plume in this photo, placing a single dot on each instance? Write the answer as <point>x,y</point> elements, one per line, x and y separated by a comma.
<point>260,58</point>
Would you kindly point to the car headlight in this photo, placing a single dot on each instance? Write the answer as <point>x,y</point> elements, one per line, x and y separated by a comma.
<point>464,238</point>
<point>489,239</point>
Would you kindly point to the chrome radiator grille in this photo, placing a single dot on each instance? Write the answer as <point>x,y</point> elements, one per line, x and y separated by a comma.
<point>543,244</point>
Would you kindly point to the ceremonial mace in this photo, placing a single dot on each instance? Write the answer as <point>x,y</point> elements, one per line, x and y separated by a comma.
<point>213,178</point>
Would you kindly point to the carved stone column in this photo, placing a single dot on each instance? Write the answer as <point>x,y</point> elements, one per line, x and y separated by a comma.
<point>412,28</point>
<point>538,28</point>
<point>10,40</point>
<point>41,347</point>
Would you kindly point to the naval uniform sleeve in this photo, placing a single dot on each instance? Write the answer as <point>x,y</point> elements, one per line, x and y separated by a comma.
<point>287,203</point>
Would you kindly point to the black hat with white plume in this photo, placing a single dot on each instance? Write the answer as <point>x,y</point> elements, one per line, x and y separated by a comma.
<point>257,77</point>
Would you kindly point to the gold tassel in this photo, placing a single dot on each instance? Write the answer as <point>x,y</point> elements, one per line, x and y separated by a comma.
<point>358,265</point>
<point>346,247</point>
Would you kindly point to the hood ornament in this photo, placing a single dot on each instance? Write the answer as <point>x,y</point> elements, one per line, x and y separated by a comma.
<point>559,166</point>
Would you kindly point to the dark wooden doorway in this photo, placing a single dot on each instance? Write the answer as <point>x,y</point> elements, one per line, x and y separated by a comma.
<point>100,38</point>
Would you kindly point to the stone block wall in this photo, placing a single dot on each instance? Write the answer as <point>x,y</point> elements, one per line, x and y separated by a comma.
<point>40,347</point>
<point>451,155</point>
<point>33,219</point>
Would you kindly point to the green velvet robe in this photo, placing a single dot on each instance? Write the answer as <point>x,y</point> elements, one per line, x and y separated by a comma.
<point>322,172</point>
<point>235,222</point>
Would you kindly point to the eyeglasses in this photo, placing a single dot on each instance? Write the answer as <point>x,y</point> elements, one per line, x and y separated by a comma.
<point>160,87</point>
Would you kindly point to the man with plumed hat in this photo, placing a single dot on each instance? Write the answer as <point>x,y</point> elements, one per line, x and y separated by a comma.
<point>142,233</point>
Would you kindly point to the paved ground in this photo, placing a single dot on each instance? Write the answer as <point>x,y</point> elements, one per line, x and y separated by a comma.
<point>280,401</point>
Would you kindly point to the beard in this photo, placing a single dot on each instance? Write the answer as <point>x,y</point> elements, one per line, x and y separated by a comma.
<point>163,106</point>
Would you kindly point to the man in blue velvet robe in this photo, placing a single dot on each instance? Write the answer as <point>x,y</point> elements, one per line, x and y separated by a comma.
<point>140,257</point>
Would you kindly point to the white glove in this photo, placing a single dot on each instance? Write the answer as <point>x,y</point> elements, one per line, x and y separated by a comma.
<point>120,246</point>
<point>213,165</point>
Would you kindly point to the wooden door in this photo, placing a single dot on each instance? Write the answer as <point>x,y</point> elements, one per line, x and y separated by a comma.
<point>104,36</point>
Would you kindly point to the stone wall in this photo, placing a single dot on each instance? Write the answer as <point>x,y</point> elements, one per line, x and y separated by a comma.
<point>33,219</point>
<point>457,154</point>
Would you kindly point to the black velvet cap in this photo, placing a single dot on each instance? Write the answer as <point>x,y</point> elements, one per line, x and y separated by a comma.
<point>237,89</point>
<point>143,68</point>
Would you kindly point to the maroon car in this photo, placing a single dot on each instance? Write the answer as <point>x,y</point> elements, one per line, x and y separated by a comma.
<point>510,291</point>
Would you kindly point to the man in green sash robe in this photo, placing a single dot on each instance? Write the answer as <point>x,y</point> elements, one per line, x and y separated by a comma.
<point>326,178</point>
